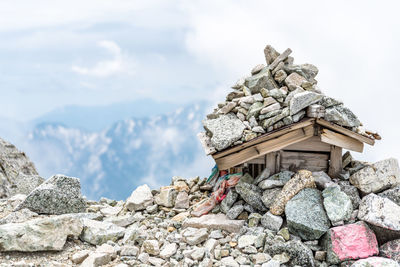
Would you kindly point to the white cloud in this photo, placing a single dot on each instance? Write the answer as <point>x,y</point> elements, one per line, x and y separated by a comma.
<point>104,68</point>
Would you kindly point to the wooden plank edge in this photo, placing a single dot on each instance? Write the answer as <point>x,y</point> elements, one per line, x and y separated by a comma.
<point>265,137</point>
<point>345,131</point>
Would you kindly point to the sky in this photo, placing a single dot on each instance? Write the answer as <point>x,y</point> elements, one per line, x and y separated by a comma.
<point>96,52</point>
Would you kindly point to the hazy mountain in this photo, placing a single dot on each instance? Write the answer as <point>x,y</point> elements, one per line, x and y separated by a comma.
<point>113,161</point>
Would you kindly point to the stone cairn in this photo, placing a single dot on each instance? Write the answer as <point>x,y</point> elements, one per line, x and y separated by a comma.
<point>273,96</point>
<point>285,219</point>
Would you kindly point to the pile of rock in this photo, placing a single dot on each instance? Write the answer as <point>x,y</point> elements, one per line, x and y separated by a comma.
<point>285,219</point>
<point>274,96</point>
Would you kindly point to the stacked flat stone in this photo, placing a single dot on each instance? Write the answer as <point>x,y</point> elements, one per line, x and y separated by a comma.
<point>275,95</point>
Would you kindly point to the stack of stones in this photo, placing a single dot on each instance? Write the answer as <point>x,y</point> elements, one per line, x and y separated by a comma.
<point>285,219</point>
<point>275,95</point>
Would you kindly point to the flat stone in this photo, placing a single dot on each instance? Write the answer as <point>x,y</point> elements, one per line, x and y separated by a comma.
<point>294,80</point>
<point>166,197</point>
<point>299,253</point>
<point>18,216</point>
<point>350,242</point>
<point>225,130</point>
<point>246,240</point>
<point>229,262</point>
<point>276,180</point>
<point>257,69</point>
<point>308,71</point>
<point>42,234</point>
<point>277,93</point>
<point>391,250</point>
<point>375,261</point>
<point>302,179</point>
<point>96,259</point>
<point>337,204</point>
<point>227,108</point>
<point>80,256</point>
<point>194,236</point>
<point>302,100</point>
<point>383,216</point>
<point>263,79</point>
<point>377,177</point>
<point>215,222</point>
<point>58,195</point>
<point>280,58</point>
<point>271,222</point>
<point>182,200</point>
<point>305,215</point>
<point>251,195</point>
<point>168,250</point>
<point>392,194</point>
<point>255,110</point>
<point>270,108</point>
<point>128,250</point>
<point>235,211</point>
<point>327,102</point>
<point>151,247</point>
<point>341,116</point>
<point>97,233</point>
<point>140,198</point>
<point>271,121</point>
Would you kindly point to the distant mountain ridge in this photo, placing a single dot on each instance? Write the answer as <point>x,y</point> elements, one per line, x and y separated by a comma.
<point>112,161</point>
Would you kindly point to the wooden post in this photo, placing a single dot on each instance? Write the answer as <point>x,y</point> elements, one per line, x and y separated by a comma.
<point>335,162</point>
<point>270,162</point>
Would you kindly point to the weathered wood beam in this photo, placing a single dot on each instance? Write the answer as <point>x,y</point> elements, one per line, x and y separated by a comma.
<point>265,147</point>
<point>265,137</point>
<point>312,144</point>
<point>341,140</point>
<point>335,161</point>
<point>345,131</point>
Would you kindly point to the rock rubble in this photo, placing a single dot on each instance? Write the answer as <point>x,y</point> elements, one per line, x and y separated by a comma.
<point>273,96</point>
<point>283,219</point>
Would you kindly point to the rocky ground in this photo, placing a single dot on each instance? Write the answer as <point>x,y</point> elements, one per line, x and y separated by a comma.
<point>285,219</point>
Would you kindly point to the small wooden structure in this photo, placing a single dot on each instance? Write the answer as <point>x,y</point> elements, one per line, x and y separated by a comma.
<point>312,144</point>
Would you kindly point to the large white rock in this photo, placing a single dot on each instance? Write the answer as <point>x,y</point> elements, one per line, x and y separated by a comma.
<point>97,233</point>
<point>215,222</point>
<point>377,177</point>
<point>225,130</point>
<point>382,214</point>
<point>166,197</point>
<point>41,234</point>
<point>140,199</point>
<point>303,100</point>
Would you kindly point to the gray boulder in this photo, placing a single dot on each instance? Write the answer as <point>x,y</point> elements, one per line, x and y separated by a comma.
<point>140,198</point>
<point>269,196</point>
<point>337,204</point>
<point>375,261</point>
<point>13,163</point>
<point>341,116</point>
<point>352,192</point>
<point>225,130</point>
<point>300,254</point>
<point>382,215</point>
<point>306,216</point>
<point>43,234</point>
<point>228,201</point>
<point>97,233</point>
<point>263,79</point>
<point>303,100</point>
<point>377,177</point>
<point>392,194</point>
<point>251,194</point>
<point>271,222</point>
<point>58,195</point>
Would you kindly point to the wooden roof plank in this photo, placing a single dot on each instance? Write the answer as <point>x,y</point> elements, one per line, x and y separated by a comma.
<point>341,140</point>
<point>345,131</point>
<point>265,137</point>
<point>265,147</point>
